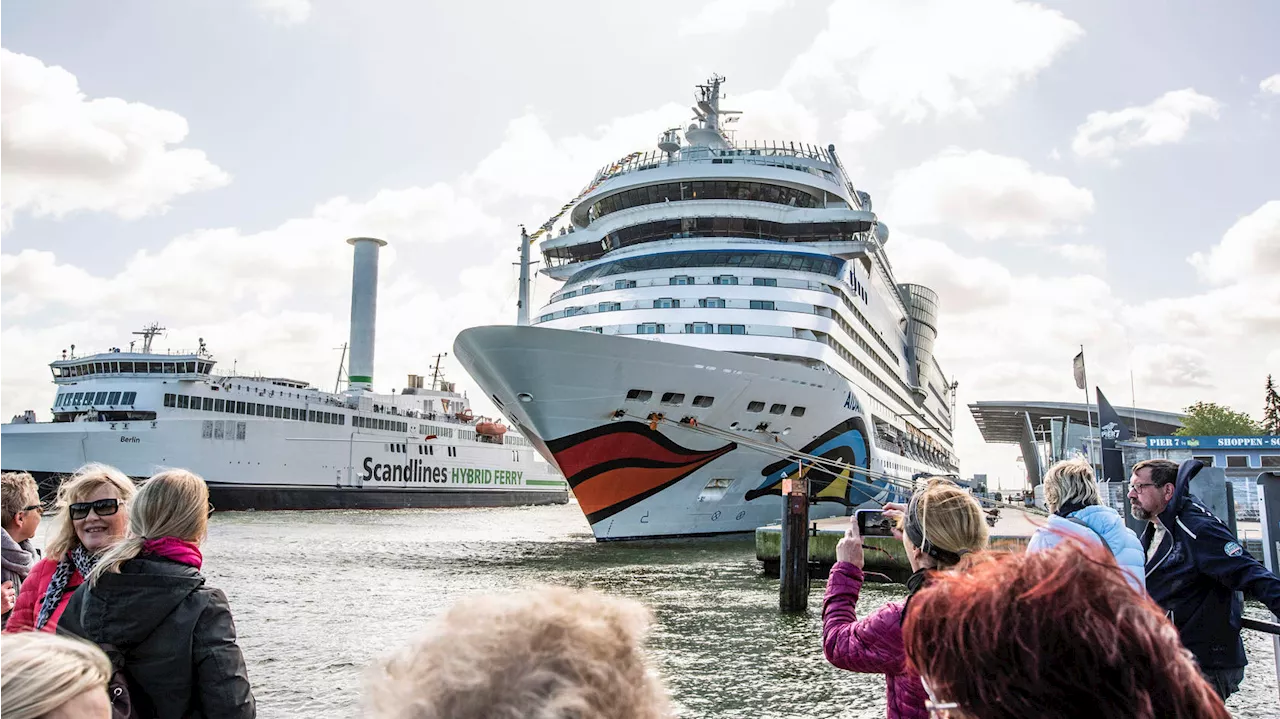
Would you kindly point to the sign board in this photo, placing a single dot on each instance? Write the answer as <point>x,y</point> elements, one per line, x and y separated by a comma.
<point>1270,441</point>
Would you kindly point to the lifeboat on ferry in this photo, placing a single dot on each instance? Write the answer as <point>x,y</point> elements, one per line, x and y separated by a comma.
<point>491,429</point>
<point>465,415</point>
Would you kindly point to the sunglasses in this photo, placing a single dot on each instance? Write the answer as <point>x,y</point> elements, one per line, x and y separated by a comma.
<point>101,507</point>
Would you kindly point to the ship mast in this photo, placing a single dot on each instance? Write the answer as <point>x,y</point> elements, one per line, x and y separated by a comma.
<point>148,333</point>
<point>436,376</point>
<point>522,305</point>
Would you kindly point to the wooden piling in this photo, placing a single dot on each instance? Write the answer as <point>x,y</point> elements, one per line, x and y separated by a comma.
<point>793,591</point>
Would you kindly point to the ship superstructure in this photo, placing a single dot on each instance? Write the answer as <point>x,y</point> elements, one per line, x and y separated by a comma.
<point>721,302</point>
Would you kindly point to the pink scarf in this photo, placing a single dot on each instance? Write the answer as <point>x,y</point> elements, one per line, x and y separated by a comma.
<point>179,550</point>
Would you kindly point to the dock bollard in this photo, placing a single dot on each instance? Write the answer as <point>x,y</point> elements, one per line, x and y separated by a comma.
<point>793,565</point>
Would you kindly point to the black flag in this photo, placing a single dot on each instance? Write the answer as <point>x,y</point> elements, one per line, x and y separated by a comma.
<point>1111,430</point>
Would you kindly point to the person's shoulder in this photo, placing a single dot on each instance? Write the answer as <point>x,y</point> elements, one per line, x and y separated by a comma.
<point>1195,517</point>
<point>45,567</point>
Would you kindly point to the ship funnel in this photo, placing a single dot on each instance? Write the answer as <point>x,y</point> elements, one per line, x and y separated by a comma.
<point>364,312</point>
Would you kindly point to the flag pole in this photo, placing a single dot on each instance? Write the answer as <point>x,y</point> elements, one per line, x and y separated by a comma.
<point>1088,413</point>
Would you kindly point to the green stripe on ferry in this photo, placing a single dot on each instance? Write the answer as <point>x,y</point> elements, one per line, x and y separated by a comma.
<point>544,482</point>
<point>359,378</point>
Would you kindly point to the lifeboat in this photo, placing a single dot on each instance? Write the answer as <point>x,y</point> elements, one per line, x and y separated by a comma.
<point>465,415</point>
<point>491,429</point>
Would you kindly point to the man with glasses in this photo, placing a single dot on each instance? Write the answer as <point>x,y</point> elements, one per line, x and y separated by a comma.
<point>1195,567</point>
<point>20,497</point>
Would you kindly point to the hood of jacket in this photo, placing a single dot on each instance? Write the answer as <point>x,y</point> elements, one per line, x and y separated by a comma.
<point>1181,491</point>
<point>16,557</point>
<point>125,608</point>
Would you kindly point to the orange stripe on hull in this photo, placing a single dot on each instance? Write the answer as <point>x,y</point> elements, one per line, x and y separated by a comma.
<point>619,485</point>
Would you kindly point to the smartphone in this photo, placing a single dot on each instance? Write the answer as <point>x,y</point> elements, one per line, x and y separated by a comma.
<point>873,523</point>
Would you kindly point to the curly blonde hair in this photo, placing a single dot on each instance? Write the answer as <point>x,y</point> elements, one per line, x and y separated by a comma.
<point>545,653</point>
<point>78,488</point>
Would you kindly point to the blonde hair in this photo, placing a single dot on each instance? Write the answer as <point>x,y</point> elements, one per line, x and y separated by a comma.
<point>1070,481</point>
<point>18,490</point>
<point>172,503</point>
<point>77,488</point>
<point>544,653</point>
<point>43,671</point>
<point>950,518</point>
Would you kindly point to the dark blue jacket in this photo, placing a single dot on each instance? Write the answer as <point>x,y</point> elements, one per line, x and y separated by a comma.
<point>1195,573</point>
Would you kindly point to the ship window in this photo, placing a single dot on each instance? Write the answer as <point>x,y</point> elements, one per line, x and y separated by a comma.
<point>218,429</point>
<point>703,400</point>
<point>168,368</point>
<point>547,317</point>
<point>755,406</point>
<point>240,408</point>
<point>651,328</point>
<point>101,398</point>
<point>665,303</point>
<point>711,302</point>
<point>126,367</point>
<point>155,368</point>
<point>762,304</point>
<point>219,405</point>
<point>672,398</point>
<point>1237,460</point>
<point>115,367</point>
<point>311,415</point>
<point>342,419</point>
<point>129,398</point>
<point>699,328</point>
<point>731,329</point>
<point>797,411</point>
<point>240,427</point>
<point>681,280</point>
<point>624,284</point>
<point>639,395</point>
<point>97,368</point>
<point>77,398</point>
<point>206,429</point>
<point>191,366</point>
<point>764,282</point>
<point>184,402</point>
<point>206,404</point>
<point>170,400</point>
<point>777,408</point>
<point>724,280</point>
<point>609,306</point>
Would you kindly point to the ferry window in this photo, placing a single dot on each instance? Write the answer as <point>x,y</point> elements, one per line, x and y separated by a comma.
<point>342,419</point>
<point>724,280</point>
<point>170,400</point>
<point>206,404</point>
<point>155,368</point>
<point>639,395</point>
<point>240,426</point>
<point>218,429</point>
<point>115,367</point>
<point>597,330</point>
<point>624,284</point>
<point>97,368</point>
<point>609,306</point>
<point>191,366</point>
<point>681,280</point>
<point>665,302</point>
<point>547,318</point>
<point>184,402</point>
<point>219,405</point>
<point>711,302</point>
<point>797,411</point>
<point>703,400</point>
<point>755,406</point>
<point>206,429</point>
<point>293,413</point>
<point>239,407</point>
<point>1270,461</point>
<point>129,398</point>
<point>699,328</point>
<point>731,329</point>
<point>311,415</point>
<point>672,398</point>
<point>777,408</point>
<point>168,368</point>
<point>101,398</point>
<point>764,282</point>
<point>651,328</point>
<point>1237,460</point>
<point>589,289</point>
<point>762,304</point>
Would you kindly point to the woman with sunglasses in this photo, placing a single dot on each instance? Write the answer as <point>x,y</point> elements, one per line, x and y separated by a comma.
<point>94,515</point>
<point>149,607</point>
<point>941,524</point>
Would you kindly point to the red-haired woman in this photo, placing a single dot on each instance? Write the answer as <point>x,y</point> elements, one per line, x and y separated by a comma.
<point>1055,635</point>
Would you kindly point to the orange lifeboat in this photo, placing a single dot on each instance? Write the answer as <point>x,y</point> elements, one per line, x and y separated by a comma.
<point>491,429</point>
<point>465,415</point>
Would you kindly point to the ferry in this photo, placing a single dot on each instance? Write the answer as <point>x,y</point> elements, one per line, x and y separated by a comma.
<point>729,320</point>
<point>268,443</point>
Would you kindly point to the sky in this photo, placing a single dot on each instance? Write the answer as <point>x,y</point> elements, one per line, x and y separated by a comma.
<point>1063,174</point>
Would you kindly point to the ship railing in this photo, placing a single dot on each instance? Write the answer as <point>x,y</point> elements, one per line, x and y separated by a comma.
<point>754,152</point>
<point>81,355</point>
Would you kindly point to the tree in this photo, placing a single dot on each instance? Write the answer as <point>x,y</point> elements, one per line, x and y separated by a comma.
<point>1209,419</point>
<point>1271,409</point>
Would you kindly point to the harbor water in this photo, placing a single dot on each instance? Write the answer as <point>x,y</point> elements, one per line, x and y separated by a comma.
<point>318,595</point>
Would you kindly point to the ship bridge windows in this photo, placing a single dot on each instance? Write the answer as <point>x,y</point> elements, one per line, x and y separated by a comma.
<point>793,261</point>
<point>703,190</point>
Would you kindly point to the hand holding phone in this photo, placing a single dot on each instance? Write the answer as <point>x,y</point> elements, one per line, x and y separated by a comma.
<point>873,523</point>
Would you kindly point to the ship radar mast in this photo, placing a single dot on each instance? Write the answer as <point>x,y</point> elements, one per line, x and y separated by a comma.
<point>148,333</point>
<point>707,130</point>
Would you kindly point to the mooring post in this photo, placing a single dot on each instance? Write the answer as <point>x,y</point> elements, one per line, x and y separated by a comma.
<point>794,560</point>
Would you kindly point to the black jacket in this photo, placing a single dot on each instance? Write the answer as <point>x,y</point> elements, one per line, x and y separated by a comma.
<point>176,635</point>
<point>1195,573</point>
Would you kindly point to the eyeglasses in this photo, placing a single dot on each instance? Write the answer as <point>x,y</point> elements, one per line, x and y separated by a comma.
<point>1138,486</point>
<point>34,508</point>
<point>101,507</point>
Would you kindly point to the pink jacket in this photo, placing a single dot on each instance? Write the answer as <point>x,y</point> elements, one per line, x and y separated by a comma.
<point>871,645</point>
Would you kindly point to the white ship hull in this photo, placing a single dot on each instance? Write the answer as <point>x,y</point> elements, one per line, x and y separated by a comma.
<point>277,464</point>
<point>563,390</point>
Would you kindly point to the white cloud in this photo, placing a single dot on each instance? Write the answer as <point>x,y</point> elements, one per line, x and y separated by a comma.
<point>859,126</point>
<point>989,196</point>
<point>285,12</point>
<point>1251,248</point>
<point>1271,85</point>
<point>1081,254</point>
<point>64,152</point>
<point>915,58</point>
<point>721,17</point>
<point>1164,121</point>
<point>1173,366</point>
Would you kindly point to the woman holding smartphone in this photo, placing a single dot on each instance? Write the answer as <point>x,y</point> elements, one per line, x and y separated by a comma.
<point>940,525</point>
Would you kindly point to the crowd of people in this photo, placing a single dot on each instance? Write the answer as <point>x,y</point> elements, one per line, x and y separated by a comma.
<point>1092,620</point>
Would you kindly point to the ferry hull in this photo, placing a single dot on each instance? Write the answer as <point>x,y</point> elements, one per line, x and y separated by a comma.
<point>564,391</point>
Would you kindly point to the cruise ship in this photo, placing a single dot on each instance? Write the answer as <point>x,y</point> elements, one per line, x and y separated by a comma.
<point>274,443</point>
<point>729,319</point>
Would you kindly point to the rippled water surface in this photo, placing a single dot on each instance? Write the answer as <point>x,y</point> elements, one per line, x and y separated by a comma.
<point>317,595</point>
